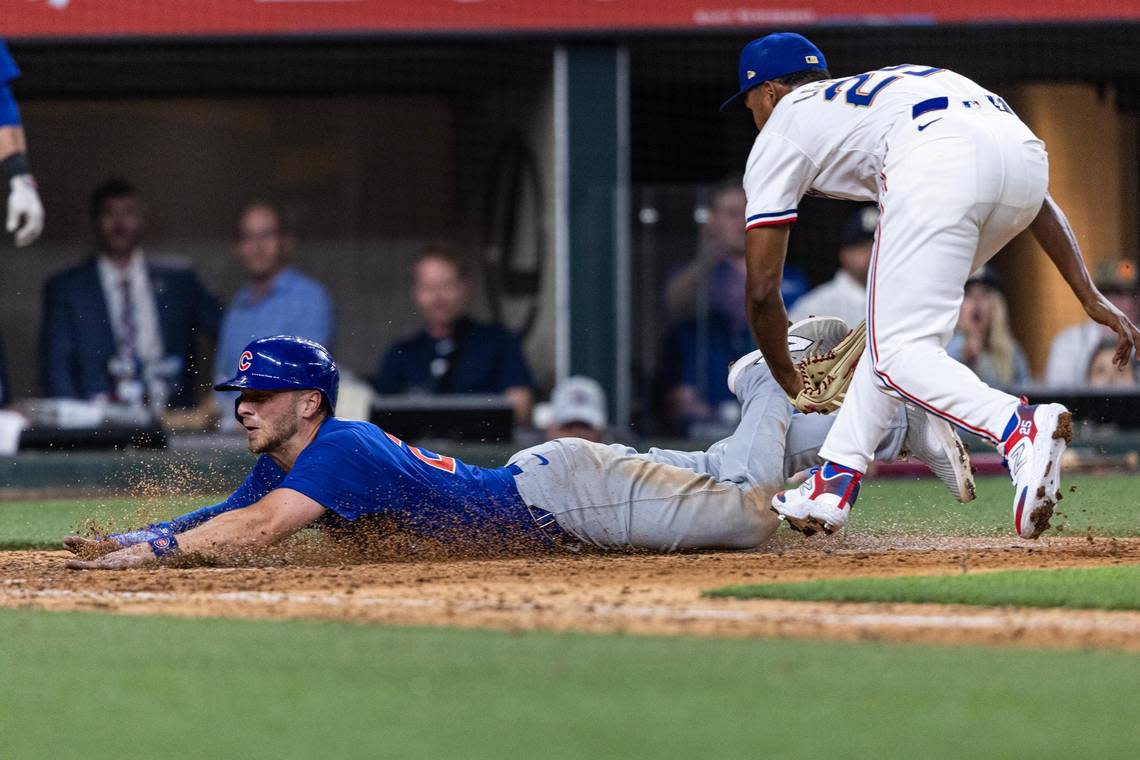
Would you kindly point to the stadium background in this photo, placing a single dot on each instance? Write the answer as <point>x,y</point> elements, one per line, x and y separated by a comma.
<point>536,135</point>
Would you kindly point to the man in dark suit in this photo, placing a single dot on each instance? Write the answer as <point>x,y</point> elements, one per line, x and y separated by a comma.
<point>453,353</point>
<point>120,326</point>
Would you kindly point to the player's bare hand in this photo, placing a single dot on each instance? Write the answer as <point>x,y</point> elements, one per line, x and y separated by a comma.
<point>89,548</point>
<point>123,559</point>
<point>1101,310</point>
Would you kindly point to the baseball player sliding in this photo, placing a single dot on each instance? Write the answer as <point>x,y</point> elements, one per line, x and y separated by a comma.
<point>957,175</point>
<point>321,471</point>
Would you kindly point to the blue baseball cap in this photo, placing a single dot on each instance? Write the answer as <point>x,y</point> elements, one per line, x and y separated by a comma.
<point>772,57</point>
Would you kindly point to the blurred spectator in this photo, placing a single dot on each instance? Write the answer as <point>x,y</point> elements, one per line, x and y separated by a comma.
<point>1073,348</point>
<point>578,410</point>
<point>714,279</point>
<point>453,353</point>
<point>982,340</point>
<point>276,299</point>
<point>845,295</point>
<point>694,363</point>
<point>1103,372</point>
<point>121,325</point>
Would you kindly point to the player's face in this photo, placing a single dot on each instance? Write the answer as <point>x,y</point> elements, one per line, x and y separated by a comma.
<point>761,101</point>
<point>261,246</point>
<point>119,225</point>
<point>270,418</point>
<point>439,291</point>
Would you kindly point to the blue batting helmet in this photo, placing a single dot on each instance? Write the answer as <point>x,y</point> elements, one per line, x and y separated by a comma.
<point>285,362</point>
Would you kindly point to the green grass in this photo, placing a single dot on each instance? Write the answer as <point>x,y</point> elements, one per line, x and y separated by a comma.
<point>1108,588</point>
<point>1104,504</point>
<point>41,524</point>
<point>103,686</point>
<point>1108,505</point>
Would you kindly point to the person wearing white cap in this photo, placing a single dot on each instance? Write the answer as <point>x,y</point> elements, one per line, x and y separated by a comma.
<point>578,410</point>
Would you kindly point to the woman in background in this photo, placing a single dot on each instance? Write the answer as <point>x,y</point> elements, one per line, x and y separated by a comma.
<point>982,340</point>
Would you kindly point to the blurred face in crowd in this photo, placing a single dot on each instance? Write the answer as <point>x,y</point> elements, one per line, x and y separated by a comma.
<point>856,259</point>
<point>440,292</point>
<point>1103,373</point>
<point>977,308</point>
<point>119,225</point>
<point>261,245</point>
<point>725,227</point>
<point>1127,301</point>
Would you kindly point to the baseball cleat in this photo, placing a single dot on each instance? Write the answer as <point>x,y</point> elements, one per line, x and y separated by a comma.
<point>1033,454</point>
<point>808,337</point>
<point>822,502</point>
<point>933,441</point>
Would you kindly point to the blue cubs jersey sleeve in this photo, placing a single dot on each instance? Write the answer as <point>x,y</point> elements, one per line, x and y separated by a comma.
<point>355,469</point>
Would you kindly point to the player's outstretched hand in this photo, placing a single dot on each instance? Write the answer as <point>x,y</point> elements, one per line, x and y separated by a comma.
<point>89,548</point>
<point>1128,337</point>
<point>123,559</point>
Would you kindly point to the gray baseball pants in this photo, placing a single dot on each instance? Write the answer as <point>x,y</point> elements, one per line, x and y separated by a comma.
<point>611,496</point>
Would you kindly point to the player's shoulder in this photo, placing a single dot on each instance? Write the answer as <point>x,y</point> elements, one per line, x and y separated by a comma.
<point>336,430</point>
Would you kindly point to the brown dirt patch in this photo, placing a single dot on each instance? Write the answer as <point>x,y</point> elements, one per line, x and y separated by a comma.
<point>607,593</point>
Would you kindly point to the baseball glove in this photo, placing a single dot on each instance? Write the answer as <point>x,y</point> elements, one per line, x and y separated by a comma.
<point>826,376</point>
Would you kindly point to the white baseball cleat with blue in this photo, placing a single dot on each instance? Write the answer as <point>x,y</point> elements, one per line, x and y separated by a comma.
<point>822,503</point>
<point>808,337</point>
<point>1033,451</point>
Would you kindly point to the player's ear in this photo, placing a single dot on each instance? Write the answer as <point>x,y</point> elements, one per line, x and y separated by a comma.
<point>311,404</point>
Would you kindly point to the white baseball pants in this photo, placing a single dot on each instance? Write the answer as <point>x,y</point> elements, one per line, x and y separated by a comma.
<point>951,196</point>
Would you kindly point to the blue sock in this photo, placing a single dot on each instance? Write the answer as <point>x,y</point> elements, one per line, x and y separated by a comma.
<point>1010,427</point>
<point>830,470</point>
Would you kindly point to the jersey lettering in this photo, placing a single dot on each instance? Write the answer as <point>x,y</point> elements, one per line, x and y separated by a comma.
<point>860,91</point>
<point>430,458</point>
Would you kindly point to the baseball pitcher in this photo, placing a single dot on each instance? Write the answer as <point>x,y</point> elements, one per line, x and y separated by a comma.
<point>956,175</point>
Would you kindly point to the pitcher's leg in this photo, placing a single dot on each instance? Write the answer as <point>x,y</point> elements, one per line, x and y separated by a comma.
<point>862,422</point>
<point>807,432</point>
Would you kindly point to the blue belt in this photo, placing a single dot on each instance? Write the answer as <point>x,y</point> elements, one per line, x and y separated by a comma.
<point>931,104</point>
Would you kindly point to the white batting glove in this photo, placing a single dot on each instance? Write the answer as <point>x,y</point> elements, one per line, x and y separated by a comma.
<point>25,212</point>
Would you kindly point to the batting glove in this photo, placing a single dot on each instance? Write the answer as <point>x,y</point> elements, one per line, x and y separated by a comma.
<point>25,212</point>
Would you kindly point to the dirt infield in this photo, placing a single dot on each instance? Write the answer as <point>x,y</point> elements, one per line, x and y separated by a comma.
<point>609,593</point>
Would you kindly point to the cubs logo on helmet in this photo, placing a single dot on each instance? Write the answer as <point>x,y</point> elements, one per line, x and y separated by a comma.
<point>285,362</point>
